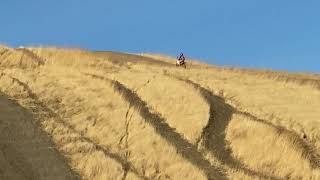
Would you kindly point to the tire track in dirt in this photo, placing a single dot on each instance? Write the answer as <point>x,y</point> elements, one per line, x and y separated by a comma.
<point>213,134</point>
<point>21,169</point>
<point>25,149</point>
<point>219,118</point>
<point>40,108</point>
<point>127,124</point>
<point>187,150</point>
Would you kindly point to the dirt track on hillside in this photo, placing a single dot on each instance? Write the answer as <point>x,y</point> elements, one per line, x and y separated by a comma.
<point>25,151</point>
<point>71,121</point>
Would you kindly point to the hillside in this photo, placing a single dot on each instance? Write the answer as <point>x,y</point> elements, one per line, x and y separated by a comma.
<point>76,114</point>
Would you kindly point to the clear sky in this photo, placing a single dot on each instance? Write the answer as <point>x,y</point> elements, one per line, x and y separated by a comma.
<point>273,34</point>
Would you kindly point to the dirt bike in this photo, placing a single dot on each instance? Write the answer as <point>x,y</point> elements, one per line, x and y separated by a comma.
<point>181,63</point>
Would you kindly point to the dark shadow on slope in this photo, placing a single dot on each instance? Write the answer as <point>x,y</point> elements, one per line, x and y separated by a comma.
<point>41,107</point>
<point>26,152</point>
<point>213,134</point>
<point>185,148</point>
<point>220,115</point>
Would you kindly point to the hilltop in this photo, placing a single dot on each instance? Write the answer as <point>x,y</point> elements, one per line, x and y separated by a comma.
<point>78,114</point>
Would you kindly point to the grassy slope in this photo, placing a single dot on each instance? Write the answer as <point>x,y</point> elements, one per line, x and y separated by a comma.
<point>120,116</point>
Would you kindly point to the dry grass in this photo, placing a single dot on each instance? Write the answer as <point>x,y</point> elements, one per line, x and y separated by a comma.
<point>11,58</point>
<point>123,116</point>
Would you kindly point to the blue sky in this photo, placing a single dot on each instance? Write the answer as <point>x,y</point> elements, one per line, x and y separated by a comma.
<point>280,35</point>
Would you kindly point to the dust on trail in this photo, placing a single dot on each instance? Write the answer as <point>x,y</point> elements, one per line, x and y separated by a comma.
<point>186,149</point>
<point>26,152</point>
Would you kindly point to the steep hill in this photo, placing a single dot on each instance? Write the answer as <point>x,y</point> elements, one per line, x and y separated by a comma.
<point>77,114</point>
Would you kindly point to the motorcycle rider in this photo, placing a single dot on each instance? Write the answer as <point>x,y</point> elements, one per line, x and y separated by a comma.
<point>181,58</point>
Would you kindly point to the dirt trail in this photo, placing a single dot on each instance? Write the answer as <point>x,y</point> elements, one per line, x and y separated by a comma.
<point>25,151</point>
<point>41,108</point>
<point>213,135</point>
<point>186,149</point>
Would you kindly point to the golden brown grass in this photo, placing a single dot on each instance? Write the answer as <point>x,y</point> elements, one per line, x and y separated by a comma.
<point>123,116</point>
